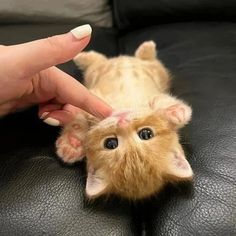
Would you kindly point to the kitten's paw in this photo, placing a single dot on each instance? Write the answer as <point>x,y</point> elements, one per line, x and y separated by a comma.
<point>179,114</point>
<point>146,51</point>
<point>69,149</point>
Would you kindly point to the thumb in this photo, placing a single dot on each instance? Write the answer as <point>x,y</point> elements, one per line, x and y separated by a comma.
<point>41,54</point>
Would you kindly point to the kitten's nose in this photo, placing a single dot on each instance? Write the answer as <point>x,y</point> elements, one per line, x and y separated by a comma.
<point>122,121</point>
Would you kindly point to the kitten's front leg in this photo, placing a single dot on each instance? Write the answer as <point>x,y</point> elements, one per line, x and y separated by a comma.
<point>177,111</point>
<point>69,145</point>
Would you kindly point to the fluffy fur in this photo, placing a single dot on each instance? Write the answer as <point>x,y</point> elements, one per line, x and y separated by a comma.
<point>137,88</point>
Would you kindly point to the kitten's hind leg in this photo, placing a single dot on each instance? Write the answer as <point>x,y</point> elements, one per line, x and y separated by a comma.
<point>69,145</point>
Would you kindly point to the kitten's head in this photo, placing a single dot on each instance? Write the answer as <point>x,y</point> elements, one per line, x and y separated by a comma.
<point>133,154</point>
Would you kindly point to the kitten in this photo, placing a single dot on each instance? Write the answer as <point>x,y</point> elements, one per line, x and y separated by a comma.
<point>136,151</point>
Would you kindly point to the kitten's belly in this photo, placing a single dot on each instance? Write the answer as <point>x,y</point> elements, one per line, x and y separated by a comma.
<point>131,98</point>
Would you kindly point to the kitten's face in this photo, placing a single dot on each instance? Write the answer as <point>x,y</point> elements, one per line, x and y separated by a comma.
<point>133,154</point>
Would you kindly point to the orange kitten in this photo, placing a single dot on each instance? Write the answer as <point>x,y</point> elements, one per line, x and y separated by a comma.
<point>136,150</point>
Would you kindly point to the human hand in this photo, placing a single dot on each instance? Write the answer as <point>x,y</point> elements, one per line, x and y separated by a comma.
<point>28,76</point>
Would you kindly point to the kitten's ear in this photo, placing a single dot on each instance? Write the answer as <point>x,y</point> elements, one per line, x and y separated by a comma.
<point>179,114</point>
<point>146,51</point>
<point>178,167</point>
<point>96,184</point>
<point>85,59</point>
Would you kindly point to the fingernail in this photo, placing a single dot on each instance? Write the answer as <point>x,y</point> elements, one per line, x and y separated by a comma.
<point>44,115</point>
<point>52,121</point>
<point>82,31</point>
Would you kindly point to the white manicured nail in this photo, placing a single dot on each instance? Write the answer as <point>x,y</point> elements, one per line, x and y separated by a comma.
<point>44,115</point>
<point>52,121</point>
<point>82,31</point>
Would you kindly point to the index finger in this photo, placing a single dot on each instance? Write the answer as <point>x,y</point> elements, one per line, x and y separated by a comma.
<point>68,90</point>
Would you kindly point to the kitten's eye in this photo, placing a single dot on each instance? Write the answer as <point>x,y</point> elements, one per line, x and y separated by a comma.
<point>145,134</point>
<point>111,143</point>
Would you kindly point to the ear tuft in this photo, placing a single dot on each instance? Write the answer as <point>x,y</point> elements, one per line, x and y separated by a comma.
<point>179,168</point>
<point>95,185</point>
<point>85,59</point>
<point>146,51</point>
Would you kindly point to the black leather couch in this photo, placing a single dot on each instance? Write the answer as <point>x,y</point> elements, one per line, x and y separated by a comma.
<point>197,41</point>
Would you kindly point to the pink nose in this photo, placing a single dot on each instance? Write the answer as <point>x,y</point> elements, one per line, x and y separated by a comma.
<point>122,118</point>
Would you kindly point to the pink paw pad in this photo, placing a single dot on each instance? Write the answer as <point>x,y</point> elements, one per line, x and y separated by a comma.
<point>69,154</point>
<point>69,148</point>
<point>179,113</point>
<point>74,142</point>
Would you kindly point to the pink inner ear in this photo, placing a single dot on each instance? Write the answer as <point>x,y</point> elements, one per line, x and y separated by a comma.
<point>95,185</point>
<point>180,167</point>
<point>181,162</point>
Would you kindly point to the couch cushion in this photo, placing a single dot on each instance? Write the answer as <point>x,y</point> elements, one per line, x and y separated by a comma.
<point>96,12</point>
<point>133,14</point>
<point>202,58</point>
<point>39,195</point>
